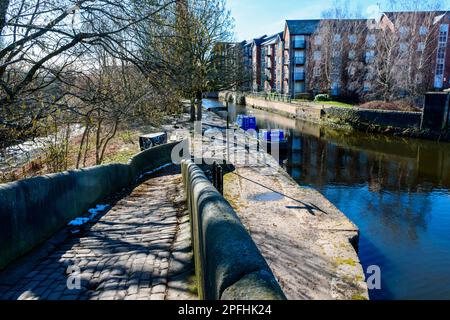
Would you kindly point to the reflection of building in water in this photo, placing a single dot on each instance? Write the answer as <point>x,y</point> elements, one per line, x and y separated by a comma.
<point>390,165</point>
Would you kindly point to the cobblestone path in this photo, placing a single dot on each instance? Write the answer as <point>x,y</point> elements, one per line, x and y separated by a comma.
<point>139,250</point>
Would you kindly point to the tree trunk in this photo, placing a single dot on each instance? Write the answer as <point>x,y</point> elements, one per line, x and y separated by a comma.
<point>199,105</point>
<point>4,4</point>
<point>80,150</point>
<point>66,149</point>
<point>192,110</point>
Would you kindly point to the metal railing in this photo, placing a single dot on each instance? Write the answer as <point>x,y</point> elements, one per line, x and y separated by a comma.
<point>271,96</point>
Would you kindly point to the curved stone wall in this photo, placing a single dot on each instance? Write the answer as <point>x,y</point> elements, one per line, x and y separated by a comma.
<point>31,210</point>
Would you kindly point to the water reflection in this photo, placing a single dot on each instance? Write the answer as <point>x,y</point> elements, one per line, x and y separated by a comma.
<point>396,190</point>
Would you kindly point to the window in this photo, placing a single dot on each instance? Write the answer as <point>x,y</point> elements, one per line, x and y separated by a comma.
<point>403,47</point>
<point>335,89</point>
<point>440,69</point>
<point>441,53</point>
<point>299,87</point>
<point>371,40</point>
<point>367,86</point>
<point>317,55</point>
<point>421,46</point>
<point>423,31</point>
<point>318,40</point>
<point>403,31</point>
<point>351,71</point>
<point>336,53</point>
<point>370,55</point>
<point>443,33</point>
<point>352,54</point>
<point>419,78</point>
<point>316,72</point>
<point>337,38</point>
<point>352,38</point>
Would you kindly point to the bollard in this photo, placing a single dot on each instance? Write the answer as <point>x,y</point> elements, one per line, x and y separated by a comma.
<point>220,179</point>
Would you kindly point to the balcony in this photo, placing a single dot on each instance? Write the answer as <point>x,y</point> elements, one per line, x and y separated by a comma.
<point>299,76</point>
<point>269,64</point>
<point>269,52</point>
<point>287,62</point>
<point>299,44</point>
<point>299,60</point>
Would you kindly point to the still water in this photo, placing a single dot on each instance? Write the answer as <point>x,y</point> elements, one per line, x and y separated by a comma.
<point>396,190</point>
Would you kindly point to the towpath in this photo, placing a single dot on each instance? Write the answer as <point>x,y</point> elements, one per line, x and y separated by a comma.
<point>140,249</point>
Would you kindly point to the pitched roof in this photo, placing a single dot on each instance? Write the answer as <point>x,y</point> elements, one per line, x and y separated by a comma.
<point>272,39</point>
<point>302,26</point>
<point>393,15</point>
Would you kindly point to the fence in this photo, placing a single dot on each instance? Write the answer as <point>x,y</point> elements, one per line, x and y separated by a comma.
<point>271,96</point>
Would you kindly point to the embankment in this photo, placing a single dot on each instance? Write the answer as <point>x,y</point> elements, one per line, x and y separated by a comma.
<point>398,123</point>
<point>31,210</point>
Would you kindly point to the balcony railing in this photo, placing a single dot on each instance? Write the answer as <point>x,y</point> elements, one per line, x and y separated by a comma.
<point>299,44</point>
<point>299,60</point>
<point>299,76</point>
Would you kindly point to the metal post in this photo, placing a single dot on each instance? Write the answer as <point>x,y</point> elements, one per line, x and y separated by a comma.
<point>214,174</point>
<point>228,115</point>
<point>220,179</point>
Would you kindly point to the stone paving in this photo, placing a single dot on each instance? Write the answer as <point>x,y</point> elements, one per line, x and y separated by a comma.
<point>139,250</point>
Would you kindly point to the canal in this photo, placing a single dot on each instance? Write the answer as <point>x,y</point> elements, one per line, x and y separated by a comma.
<point>396,190</point>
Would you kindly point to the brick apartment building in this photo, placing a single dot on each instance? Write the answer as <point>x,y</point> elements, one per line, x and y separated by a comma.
<point>340,56</point>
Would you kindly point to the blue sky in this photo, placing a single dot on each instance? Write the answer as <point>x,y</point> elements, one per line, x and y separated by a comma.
<point>259,17</point>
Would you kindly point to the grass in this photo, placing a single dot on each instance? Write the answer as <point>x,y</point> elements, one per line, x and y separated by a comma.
<point>121,157</point>
<point>335,103</point>
<point>328,103</point>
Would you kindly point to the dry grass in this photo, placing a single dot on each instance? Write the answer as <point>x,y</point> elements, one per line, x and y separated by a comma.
<point>394,106</point>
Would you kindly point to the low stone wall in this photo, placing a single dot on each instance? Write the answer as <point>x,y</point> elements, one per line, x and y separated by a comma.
<point>282,108</point>
<point>228,264</point>
<point>383,118</point>
<point>31,210</point>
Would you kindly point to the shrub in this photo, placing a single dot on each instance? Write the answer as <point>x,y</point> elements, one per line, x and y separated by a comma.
<point>322,97</point>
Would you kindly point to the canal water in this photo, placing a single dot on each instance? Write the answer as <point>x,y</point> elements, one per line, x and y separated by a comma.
<point>396,190</point>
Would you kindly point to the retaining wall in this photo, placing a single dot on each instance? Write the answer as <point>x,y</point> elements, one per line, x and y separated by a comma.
<point>317,113</point>
<point>31,210</point>
<point>383,118</point>
<point>228,263</point>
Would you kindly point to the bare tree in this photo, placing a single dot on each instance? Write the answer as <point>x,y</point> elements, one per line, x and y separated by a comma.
<point>406,47</point>
<point>43,39</point>
<point>200,25</point>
